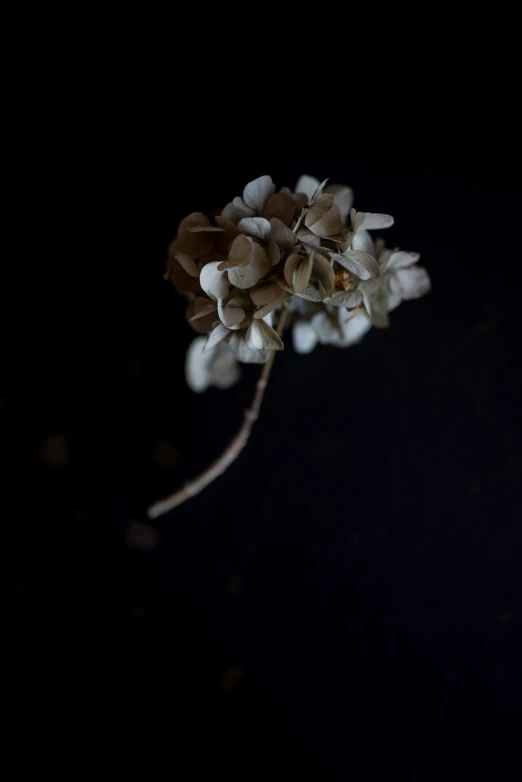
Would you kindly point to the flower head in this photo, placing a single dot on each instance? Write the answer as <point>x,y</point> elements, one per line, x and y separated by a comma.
<point>309,251</point>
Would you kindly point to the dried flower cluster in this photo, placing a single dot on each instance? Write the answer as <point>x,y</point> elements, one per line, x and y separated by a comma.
<point>268,250</point>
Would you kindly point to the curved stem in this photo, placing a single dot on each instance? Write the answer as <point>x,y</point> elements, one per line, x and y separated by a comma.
<point>233,449</point>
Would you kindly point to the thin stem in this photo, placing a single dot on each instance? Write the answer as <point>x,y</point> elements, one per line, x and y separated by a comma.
<point>233,449</point>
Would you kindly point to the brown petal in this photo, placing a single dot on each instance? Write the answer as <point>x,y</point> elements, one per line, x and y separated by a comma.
<point>272,251</point>
<point>291,264</point>
<point>281,206</point>
<point>281,235</point>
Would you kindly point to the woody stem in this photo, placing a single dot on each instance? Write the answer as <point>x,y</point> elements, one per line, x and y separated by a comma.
<point>232,450</point>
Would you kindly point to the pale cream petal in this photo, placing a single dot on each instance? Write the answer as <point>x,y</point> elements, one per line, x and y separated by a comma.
<point>243,353</point>
<point>307,185</point>
<point>410,283</point>
<point>348,299</point>
<point>355,328</point>
<point>359,263</point>
<point>242,208</point>
<point>257,191</point>
<point>231,317</point>
<point>401,259</point>
<point>302,273</point>
<point>224,370</point>
<point>372,221</point>
<point>214,282</point>
<point>261,336</point>
<point>197,365</point>
<point>218,335</point>
<point>343,199</point>
<point>362,240</point>
<point>304,336</point>
<point>255,226</point>
<point>188,264</point>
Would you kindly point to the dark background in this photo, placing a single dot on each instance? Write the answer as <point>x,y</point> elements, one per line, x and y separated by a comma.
<point>358,569</point>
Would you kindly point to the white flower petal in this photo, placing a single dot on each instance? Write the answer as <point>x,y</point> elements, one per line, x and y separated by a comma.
<point>410,283</point>
<point>255,226</point>
<point>355,328</point>
<point>224,370</point>
<point>304,337</point>
<point>372,221</point>
<point>214,282</point>
<point>197,365</point>
<point>363,241</point>
<point>257,191</point>
<point>243,353</point>
<point>348,299</point>
<point>343,199</point>
<point>401,260</point>
<point>261,336</point>
<point>360,263</point>
<point>230,316</point>
<point>215,337</point>
<point>307,185</point>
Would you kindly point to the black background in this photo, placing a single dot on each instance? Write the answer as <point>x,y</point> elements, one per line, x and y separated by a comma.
<point>374,520</point>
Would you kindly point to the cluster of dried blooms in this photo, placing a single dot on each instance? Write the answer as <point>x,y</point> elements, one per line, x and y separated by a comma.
<point>268,250</point>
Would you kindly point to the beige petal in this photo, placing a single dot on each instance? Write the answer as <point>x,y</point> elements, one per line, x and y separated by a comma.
<point>291,264</point>
<point>257,191</point>
<point>281,206</point>
<point>239,252</point>
<point>328,224</point>
<point>302,273</point>
<point>247,276</point>
<point>214,282</point>
<point>323,275</point>
<point>264,294</point>
<point>370,221</point>
<point>272,251</point>
<point>218,335</point>
<point>281,235</point>
<point>348,299</point>
<point>319,209</point>
<point>261,336</point>
<point>308,237</point>
<point>359,263</point>
<point>243,353</point>
<point>188,264</point>
<point>267,309</point>
<point>343,199</point>
<point>204,229</point>
<point>231,317</point>
<point>202,307</point>
<point>255,226</point>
